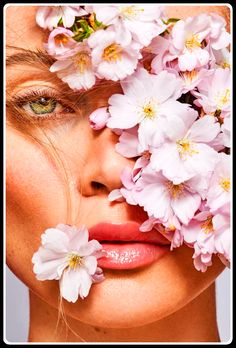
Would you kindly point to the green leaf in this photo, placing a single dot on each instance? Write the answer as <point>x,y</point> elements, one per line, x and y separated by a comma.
<point>95,24</point>
<point>82,30</point>
<point>170,20</point>
<point>60,22</point>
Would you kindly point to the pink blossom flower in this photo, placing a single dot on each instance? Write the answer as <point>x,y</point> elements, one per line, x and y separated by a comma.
<point>146,103</point>
<point>60,43</point>
<point>218,142</point>
<point>149,224</point>
<point>112,59</point>
<point>187,42</point>
<point>139,165</point>
<point>128,145</point>
<point>138,22</point>
<point>160,47</point>
<point>129,176</point>
<point>209,235</point>
<point>191,79</point>
<point>98,118</point>
<point>127,190</point>
<point>185,152</point>
<point>76,70</point>
<point>218,195</point>
<point>218,37</point>
<point>220,58</point>
<point>214,92</point>
<point>49,16</point>
<point>223,237</point>
<point>201,259</point>
<point>177,239</point>
<point>153,223</point>
<point>68,256</point>
<point>162,199</point>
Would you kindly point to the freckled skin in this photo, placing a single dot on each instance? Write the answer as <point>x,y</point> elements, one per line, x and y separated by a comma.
<point>154,303</point>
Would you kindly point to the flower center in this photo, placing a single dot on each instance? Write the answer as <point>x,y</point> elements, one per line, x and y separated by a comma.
<point>189,76</point>
<point>175,190</point>
<point>112,53</point>
<point>225,65</point>
<point>82,61</point>
<point>75,260</point>
<point>131,11</point>
<point>149,110</point>
<point>207,226</point>
<point>185,148</point>
<point>146,154</point>
<point>225,184</point>
<point>61,39</point>
<point>192,42</point>
<point>223,99</point>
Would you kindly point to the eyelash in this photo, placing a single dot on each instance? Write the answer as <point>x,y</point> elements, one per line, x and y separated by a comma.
<point>19,101</point>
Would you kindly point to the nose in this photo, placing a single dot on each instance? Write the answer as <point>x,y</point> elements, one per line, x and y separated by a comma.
<point>103,165</point>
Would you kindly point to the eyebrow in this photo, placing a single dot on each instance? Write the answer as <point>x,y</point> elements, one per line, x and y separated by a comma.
<point>30,58</point>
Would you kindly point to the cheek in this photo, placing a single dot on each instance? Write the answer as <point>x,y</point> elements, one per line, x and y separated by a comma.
<point>33,182</point>
<point>35,200</point>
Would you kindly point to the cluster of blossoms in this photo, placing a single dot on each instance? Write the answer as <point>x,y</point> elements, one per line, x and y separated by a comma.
<point>173,116</point>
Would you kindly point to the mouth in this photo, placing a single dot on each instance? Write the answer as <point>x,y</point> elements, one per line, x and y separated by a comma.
<point>126,247</point>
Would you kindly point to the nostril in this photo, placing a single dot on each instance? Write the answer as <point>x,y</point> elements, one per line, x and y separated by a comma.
<point>97,185</point>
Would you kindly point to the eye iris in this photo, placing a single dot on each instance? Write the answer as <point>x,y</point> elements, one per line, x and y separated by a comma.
<point>43,105</point>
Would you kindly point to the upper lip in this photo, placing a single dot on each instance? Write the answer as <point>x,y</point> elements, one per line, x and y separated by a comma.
<point>125,232</point>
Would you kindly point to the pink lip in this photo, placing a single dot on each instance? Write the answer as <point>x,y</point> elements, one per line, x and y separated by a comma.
<point>126,247</point>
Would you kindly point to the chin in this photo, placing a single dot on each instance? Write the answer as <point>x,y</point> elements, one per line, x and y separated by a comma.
<point>129,298</point>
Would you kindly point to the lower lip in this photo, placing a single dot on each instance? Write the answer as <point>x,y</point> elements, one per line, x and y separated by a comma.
<point>131,255</point>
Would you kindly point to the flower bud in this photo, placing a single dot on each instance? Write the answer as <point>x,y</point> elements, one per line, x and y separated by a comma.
<point>98,118</point>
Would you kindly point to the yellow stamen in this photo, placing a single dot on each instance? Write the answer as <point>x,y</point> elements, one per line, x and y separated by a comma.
<point>82,61</point>
<point>175,190</point>
<point>171,227</point>
<point>185,147</point>
<point>225,184</point>
<point>224,98</point>
<point>112,53</point>
<point>225,65</point>
<point>131,11</point>
<point>189,76</point>
<point>149,110</point>
<point>75,260</point>
<point>61,38</point>
<point>192,42</point>
<point>207,226</point>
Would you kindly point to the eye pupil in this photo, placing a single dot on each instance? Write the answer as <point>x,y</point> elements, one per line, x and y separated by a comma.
<point>43,105</point>
<point>43,101</point>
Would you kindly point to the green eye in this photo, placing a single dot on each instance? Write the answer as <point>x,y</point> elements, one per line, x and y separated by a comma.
<point>43,105</point>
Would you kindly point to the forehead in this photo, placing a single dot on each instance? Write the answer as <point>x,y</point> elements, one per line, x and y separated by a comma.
<point>21,28</point>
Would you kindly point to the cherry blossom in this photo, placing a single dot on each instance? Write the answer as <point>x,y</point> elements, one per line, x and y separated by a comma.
<point>218,196</point>
<point>138,22</point>
<point>162,199</point>
<point>49,16</point>
<point>76,70</point>
<point>213,93</point>
<point>67,255</point>
<point>60,43</point>
<point>146,103</point>
<point>110,57</point>
<point>98,118</point>
<point>186,152</point>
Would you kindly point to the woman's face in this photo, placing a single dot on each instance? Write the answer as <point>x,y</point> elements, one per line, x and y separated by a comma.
<point>37,192</point>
